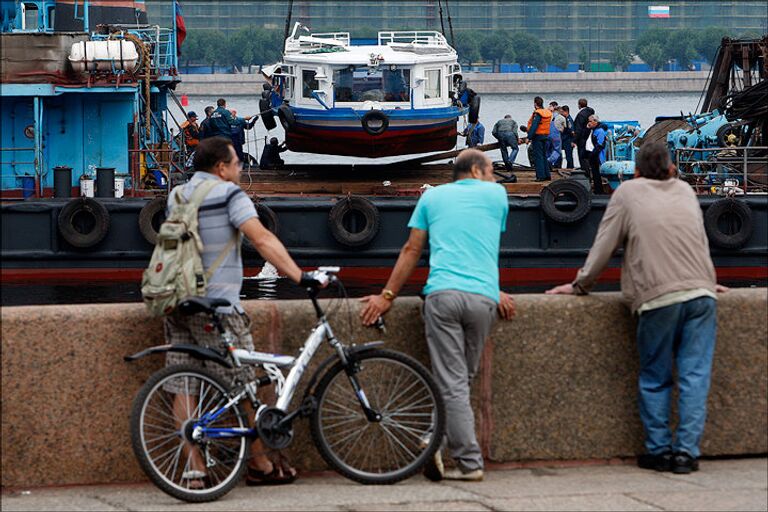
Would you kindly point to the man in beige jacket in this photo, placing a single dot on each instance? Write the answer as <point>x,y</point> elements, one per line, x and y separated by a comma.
<point>669,280</point>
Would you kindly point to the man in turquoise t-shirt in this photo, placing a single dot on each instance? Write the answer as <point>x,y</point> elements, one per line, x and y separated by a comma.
<point>464,221</point>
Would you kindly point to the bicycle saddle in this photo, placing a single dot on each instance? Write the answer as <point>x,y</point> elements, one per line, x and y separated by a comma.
<point>192,305</point>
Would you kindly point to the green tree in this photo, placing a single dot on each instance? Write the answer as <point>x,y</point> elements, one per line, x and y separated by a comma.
<point>708,41</point>
<point>556,55</point>
<point>192,50</point>
<point>622,56</point>
<point>497,47</point>
<point>528,50</point>
<point>653,55</point>
<point>468,46</point>
<point>583,57</point>
<point>216,48</point>
<point>682,47</point>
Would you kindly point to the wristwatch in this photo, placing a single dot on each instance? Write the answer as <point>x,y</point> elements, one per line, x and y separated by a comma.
<point>388,294</point>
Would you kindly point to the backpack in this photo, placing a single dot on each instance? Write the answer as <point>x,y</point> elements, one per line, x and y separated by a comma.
<point>176,270</point>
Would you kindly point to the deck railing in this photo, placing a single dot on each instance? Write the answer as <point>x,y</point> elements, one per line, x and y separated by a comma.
<point>746,167</point>
<point>338,36</point>
<point>417,37</point>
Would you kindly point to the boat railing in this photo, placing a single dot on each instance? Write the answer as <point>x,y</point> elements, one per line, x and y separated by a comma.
<point>22,163</point>
<point>729,170</point>
<point>417,37</point>
<point>337,36</point>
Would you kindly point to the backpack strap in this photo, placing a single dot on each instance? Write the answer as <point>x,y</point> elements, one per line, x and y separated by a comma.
<point>202,190</point>
<point>223,254</point>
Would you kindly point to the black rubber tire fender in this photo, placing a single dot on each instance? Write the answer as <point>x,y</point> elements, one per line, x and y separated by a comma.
<point>287,119</point>
<point>268,218</point>
<point>151,216</point>
<point>728,206</point>
<point>362,206</point>
<point>377,116</point>
<point>83,206</point>
<point>565,187</point>
<point>267,115</point>
<point>138,449</point>
<point>474,109</point>
<point>327,452</point>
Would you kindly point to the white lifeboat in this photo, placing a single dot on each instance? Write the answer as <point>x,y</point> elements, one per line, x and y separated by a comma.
<point>109,55</point>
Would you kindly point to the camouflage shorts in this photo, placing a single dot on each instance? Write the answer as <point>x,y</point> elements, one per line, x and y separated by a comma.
<point>191,330</point>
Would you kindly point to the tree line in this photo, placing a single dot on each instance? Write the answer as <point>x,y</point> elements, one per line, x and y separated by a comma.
<point>255,46</point>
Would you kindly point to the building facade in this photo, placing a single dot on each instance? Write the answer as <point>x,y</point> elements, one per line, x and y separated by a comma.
<point>596,26</point>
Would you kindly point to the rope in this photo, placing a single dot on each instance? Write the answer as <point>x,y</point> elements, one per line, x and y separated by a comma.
<point>442,26</point>
<point>450,24</point>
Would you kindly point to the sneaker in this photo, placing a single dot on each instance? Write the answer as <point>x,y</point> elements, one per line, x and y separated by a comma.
<point>682,463</point>
<point>434,469</point>
<point>660,462</point>
<point>457,474</point>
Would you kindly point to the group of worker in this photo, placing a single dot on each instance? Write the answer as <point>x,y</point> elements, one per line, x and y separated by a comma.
<point>223,122</point>
<point>553,135</point>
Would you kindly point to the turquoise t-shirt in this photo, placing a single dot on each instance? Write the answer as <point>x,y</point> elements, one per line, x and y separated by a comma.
<point>464,220</point>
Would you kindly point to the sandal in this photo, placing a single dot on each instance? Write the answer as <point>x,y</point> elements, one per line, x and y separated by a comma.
<point>274,477</point>
<point>289,472</point>
<point>196,479</point>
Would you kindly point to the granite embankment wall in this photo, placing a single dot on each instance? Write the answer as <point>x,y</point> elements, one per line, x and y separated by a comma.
<point>490,83</point>
<point>558,382</point>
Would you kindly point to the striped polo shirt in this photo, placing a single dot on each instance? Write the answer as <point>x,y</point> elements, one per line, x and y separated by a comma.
<point>223,211</point>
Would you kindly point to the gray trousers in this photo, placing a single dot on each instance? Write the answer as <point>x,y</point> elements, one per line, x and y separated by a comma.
<point>457,324</point>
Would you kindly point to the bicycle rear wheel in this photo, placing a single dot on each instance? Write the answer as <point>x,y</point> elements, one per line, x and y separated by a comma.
<point>162,419</point>
<point>413,418</point>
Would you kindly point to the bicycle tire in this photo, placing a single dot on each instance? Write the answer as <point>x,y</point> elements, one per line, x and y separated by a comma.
<point>434,432</point>
<point>141,451</point>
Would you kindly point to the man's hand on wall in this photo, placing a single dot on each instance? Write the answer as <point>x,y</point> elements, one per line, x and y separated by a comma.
<point>506,306</point>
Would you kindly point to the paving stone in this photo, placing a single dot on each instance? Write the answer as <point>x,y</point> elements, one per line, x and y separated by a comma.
<point>730,499</point>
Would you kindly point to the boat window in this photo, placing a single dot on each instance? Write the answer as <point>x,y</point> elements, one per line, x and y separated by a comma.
<point>30,17</point>
<point>432,85</point>
<point>308,83</point>
<point>360,83</point>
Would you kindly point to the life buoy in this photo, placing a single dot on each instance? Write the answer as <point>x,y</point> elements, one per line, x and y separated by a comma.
<point>354,221</point>
<point>565,189</point>
<point>287,119</point>
<point>268,218</point>
<point>375,122</point>
<point>267,116</point>
<point>83,222</point>
<point>474,109</point>
<point>728,223</point>
<point>151,216</point>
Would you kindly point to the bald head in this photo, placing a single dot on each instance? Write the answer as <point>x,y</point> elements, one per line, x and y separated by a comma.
<point>472,163</point>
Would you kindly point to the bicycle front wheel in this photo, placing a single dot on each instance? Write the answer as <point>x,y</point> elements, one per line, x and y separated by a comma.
<point>403,392</point>
<point>162,421</point>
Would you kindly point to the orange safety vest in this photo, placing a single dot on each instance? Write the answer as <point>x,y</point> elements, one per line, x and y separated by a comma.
<point>546,118</point>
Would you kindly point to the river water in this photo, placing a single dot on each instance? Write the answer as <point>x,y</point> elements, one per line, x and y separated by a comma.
<point>614,107</point>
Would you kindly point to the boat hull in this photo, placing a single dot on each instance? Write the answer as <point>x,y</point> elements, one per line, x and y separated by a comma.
<point>342,133</point>
<point>534,250</point>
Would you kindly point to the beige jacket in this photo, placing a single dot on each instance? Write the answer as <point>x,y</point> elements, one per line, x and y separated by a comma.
<point>661,228</point>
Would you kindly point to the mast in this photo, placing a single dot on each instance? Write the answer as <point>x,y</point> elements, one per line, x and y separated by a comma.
<point>288,20</point>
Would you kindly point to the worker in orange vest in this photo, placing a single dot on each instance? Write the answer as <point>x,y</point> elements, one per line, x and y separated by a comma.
<point>191,131</point>
<point>538,133</point>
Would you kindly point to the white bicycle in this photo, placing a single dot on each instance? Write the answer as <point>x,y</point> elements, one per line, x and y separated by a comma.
<point>376,415</point>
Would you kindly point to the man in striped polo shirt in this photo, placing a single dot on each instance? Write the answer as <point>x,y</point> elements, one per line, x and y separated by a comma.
<point>225,213</point>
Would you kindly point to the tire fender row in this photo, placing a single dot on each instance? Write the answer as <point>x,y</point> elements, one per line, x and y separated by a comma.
<point>355,221</point>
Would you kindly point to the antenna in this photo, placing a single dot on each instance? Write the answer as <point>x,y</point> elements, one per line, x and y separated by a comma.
<point>440,5</point>
<point>288,19</point>
<point>450,25</point>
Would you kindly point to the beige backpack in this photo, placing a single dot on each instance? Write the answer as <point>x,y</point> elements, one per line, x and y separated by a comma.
<point>176,268</point>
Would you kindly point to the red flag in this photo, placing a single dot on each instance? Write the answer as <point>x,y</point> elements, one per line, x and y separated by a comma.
<point>181,28</point>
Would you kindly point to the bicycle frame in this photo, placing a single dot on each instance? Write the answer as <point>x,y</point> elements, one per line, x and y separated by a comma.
<point>285,386</point>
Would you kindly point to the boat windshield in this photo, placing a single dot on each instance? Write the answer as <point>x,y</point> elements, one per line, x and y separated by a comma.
<point>361,83</point>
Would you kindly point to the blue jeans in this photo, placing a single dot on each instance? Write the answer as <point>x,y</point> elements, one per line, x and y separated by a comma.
<point>683,334</point>
<point>539,146</point>
<point>508,140</point>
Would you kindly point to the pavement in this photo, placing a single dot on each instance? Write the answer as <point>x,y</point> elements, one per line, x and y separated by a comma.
<point>734,484</point>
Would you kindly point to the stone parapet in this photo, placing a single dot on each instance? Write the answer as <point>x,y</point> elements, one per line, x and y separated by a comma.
<point>558,382</point>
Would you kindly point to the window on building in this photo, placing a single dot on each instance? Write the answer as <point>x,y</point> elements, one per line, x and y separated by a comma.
<point>308,83</point>
<point>360,83</point>
<point>432,84</point>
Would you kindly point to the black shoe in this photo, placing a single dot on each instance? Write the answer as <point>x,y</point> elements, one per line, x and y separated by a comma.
<point>543,179</point>
<point>660,462</point>
<point>682,463</point>
<point>510,179</point>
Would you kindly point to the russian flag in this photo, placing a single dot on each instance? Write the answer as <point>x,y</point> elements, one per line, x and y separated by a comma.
<point>181,28</point>
<point>658,11</point>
